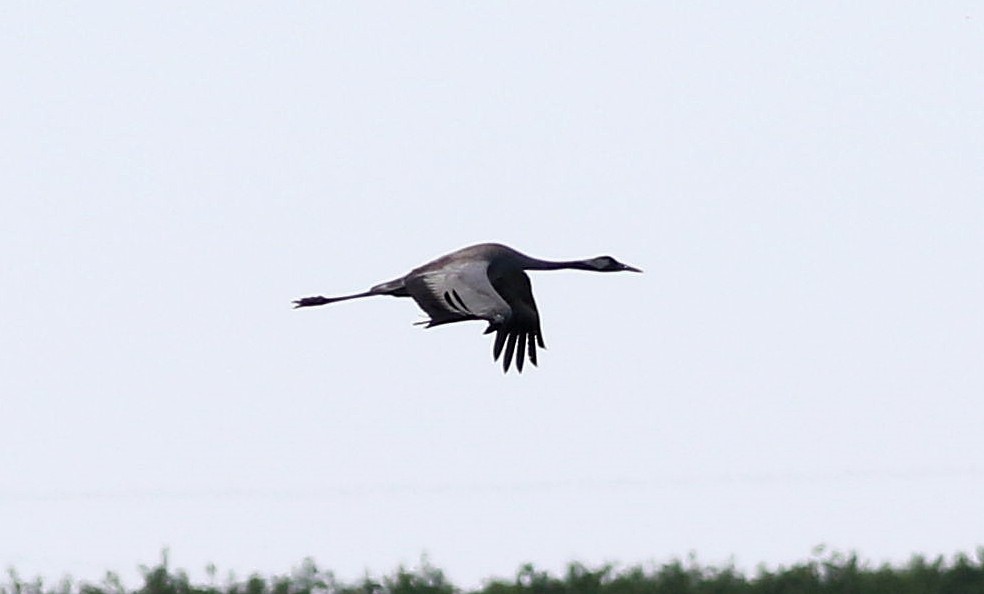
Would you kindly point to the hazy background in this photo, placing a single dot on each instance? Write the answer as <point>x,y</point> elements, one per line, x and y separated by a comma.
<point>800,364</point>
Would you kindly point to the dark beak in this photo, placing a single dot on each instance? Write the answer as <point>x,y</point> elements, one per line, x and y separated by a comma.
<point>630,268</point>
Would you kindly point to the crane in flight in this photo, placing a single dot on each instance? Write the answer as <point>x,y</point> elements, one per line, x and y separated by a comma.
<point>481,282</point>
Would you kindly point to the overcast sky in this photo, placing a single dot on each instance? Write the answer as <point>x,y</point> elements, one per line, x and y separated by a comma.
<point>801,363</point>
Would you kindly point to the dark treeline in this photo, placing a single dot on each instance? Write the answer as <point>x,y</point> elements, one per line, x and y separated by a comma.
<point>830,573</point>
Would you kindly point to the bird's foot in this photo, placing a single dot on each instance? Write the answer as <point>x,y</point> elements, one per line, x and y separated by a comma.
<point>309,301</point>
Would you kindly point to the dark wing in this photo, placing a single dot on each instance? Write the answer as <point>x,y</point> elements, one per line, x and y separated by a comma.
<point>520,333</point>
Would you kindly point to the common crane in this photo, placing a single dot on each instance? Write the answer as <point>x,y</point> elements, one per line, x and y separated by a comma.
<point>481,282</point>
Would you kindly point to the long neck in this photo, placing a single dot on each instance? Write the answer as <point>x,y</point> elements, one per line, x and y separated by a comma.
<point>535,264</point>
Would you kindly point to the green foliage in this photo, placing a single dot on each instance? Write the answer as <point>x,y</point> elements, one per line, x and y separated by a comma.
<point>833,573</point>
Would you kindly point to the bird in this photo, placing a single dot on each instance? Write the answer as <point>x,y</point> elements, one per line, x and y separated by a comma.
<point>486,282</point>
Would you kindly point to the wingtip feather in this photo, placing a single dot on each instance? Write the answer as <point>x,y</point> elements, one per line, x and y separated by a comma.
<point>520,352</point>
<point>510,348</point>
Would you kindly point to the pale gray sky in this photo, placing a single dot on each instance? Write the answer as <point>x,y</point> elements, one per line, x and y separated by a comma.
<point>800,364</point>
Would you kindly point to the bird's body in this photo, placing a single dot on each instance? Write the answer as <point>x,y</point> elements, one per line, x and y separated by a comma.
<point>481,282</point>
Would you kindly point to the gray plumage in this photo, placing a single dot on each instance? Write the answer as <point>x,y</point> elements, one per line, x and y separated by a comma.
<point>481,282</point>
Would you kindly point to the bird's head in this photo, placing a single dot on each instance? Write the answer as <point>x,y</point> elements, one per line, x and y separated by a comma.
<point>608,264</point>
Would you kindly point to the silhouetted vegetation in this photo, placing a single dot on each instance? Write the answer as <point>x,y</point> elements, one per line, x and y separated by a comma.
<point>827,574</point>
